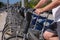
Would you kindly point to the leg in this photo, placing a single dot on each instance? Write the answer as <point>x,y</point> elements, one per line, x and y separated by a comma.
<point>49,36</point>
<point>53,38</point>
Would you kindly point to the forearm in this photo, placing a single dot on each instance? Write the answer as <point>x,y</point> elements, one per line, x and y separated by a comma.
<point>51,5</point>
<point>41,3</point>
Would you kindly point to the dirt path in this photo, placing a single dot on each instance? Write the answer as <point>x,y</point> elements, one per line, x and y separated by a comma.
<point>2,21</point>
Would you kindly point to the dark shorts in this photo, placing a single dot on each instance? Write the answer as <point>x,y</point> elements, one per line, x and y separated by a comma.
<point>54,28</point>
<point>58,29</point>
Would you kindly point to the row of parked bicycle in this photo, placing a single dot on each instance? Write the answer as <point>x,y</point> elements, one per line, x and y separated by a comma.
<point>25,24</point>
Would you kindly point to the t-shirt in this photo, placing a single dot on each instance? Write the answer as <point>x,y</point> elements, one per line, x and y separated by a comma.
<point>56,13</point>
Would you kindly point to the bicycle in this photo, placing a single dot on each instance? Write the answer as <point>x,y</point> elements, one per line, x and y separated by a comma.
<point>11,23</point>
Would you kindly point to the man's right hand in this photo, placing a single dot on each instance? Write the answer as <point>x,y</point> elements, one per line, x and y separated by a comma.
<point>38,11</point>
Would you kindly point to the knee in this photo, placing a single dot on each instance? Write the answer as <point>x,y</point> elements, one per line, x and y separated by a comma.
<point>47,35</point>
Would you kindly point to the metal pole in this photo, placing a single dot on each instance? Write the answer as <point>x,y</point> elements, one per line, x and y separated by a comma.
<point>7,4</point>
<point>22,3</point>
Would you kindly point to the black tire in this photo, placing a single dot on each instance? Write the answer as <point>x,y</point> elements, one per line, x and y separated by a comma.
<point>4,30</point>
<point>14,37</point>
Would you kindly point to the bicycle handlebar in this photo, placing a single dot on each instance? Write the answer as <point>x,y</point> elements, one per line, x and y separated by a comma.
<point>32,11</point>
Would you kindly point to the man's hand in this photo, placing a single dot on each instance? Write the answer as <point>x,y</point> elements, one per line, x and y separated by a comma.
<point>38,11</point>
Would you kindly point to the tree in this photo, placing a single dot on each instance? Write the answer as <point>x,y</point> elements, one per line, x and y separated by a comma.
<point>1,4</point>
<point>31,4</point>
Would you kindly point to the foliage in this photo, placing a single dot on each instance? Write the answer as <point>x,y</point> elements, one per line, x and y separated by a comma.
<point>31,4</point>
<point>1,4</point>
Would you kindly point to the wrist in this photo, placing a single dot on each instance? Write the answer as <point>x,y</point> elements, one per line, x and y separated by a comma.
<point>43,10</point>
<point>35,7</point>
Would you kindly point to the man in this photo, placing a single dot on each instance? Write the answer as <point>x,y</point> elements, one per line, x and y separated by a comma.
<point>50,33</point>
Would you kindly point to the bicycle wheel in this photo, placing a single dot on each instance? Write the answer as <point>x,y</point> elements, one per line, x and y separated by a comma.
<point>9,32</point>
<point>6,33</point>
<point>15,38</point>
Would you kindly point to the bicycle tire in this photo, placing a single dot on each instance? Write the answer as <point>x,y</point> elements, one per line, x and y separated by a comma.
<point>4,30</point>
<point>11,38</point>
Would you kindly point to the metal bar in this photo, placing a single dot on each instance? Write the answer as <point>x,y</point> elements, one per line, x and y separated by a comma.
<point>22,3</point>
<point>7,4</point>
